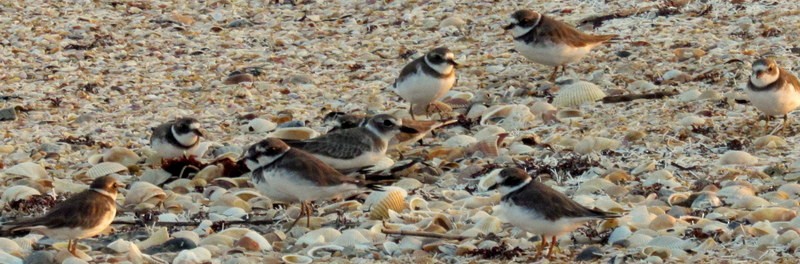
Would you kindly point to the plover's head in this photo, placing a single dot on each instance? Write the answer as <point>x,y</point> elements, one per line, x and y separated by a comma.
<point>186,131</point>
<point>387,126</point>
<point>341,120</point>
<point>522,21</point>
<point>107,184</point>
<point>510,180</point>
<point>765,72</point>
<point>441,59</point>
<point>264,153</point>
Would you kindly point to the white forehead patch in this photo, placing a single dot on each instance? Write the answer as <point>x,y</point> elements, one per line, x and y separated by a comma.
<point>760,67</point>
<point>450,55</point>
<point>194,126</point>
<point>512,21</point>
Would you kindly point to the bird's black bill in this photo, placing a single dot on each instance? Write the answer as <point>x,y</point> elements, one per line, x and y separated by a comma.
<point>198,132</point>
<point>406,129</point>
<point>494,186</point>
<point>452,62</point>
<point>509,27</point>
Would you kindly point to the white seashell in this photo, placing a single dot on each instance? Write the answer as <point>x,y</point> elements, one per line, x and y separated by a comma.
<point>11,247</point>
<point>737,158</point>
<point>678,197</point>
<point>642,85</point>
<point>488,132</point>
<point>520,149</point>
<point>391,248</point>
<point>156,177</point>
<point>489,224</point>
<point>672,74</point>
<point>410,243</point>
<point>408,184</point>
<point>120,245</point>
<point>541,107</point>
<point>510,117</point>
<point>592,144</point>
<point>158,237</point>
<point>168,217</point>
<point>351,238</point>
<point>769,142</point>
<point>144,192</point>
<point>689,95</point>
<point>296,259</point>
<point>294,133</point>
<point>18,192</point>
<point>27,169</point>
<point>478,201</point>
<point>453,21</point>
<point>313,251</point>
<point>105,168</point>
<point>619,233</point>
<point>736,191</point>
<point>193,256</point>
<point>259,125</point>
<point>459,141</point>
<point>638,240</point>
<point>217,240</point>
<point>750,202</point>
<point>576,93</point>
<point>792,189</point>
<point>593,185</point>
<point>194,237</point>
<point>692,120</point>
<point>488,180</point>
<point>210,172</point>
<point>476,111</point>
<point>318,236</point>
<point>120,155</point>
<point>254,242</point>
<point>9,259</point>
<point>460,95</point>
<point>418,203</point>
<point>380,202</point>
<point>568,113</point>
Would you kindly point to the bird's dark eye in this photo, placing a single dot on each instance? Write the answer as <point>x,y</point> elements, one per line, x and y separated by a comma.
<point>388,123</point>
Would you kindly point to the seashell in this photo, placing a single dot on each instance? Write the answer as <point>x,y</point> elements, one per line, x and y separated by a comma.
<point>296,259</point>
<point>488,132</point>
<point>120,245</point>
<point>227,200</point>
<point>351,238</point>
<point>769,142</point>
<point>260,125</point>
<point>252,241</point>
<point>380,202</point>
<point>736,191</point>
<point>762,228</point>
<point>408,184</point>
<point>619,233</point>
<point>736,157</point>
<point>510,117</point>
<point>568,113</point>
<point>313,251</point>
<point>750,202</point>
<point>592,144</point>
<point>409,244</point>
<point>678,198</point>
<point>294,133</point>
<point>478,201</point>
<point>11,247</point>
<point>460,95</point>
<point>520,149</point>
<point>792,189</point>
<point>158,237</point>
<point>640,217</point>
<point>210,172</point>
<point>541,108</point>
<point>635,135</point>
<point>120,155</point>
<point>663,221</point>
<point>488,225</point>
<point>618,176</point>
<point>234,232</point>
<point>452,21</point>
<point>343,206</point>
<point>689,95</point>
<point>195,255</point>
<point>417,203</point>
<point>455,195</point>
<point>156,177</point>
<point>476,111</point>
<point>692,120</point>
<point>596,184</point>
<point>459,141</point>
<point>319,236</point>
<point>27,169</point>
<point>18,192</point>
<point>144,192</point>
<point>575,93</point>
<point>105,168</point>
<point>710,95</point>
<point>246,195</point>
<point>675,75</point>
<point>217,240</point>
<point>486,181</point>
<point>638,240</point>
<point>189,235</point>
<point>772,214</point>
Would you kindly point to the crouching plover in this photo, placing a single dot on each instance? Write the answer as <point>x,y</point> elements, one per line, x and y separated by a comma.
<point>534,207</point>
<point>547,41</point>
<point>773,90</point>
<point>176,138</point>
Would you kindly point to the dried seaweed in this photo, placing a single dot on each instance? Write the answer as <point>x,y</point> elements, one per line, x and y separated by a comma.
<point>497,252</point>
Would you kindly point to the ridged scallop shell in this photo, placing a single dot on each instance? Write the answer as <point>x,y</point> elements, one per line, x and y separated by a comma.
<point>105,168</point>
<point>487,225</point>
<point>27,169</point>
<point>380,202</point>
<point>319,236</point>
<point>592,144</point>
<point>511,117</point>
<point>638,240</point>
<point>294,133</point>
<point>736,157</point>
<point>259,125</point>
<point>619,233</point>
<point>769,142</point>
<point>156,238</point>
<point>488,180</point>
<point>144,192</point>
<point>18,192</point>
<point>575,93</point>
<point>351,238</point>
<point>296,259</point>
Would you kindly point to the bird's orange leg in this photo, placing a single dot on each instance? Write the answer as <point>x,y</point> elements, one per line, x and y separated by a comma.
<point>552,245</point>
<point>541,246</point>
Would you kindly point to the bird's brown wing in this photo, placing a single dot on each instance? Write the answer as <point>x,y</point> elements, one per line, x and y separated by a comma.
<point>553,205</point>
<point>569,34</point>
<point>341,144</point>
<point>80,210</point>
<point>791,79</point>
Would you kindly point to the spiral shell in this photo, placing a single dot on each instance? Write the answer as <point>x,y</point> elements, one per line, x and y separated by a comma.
<point>575,93</point>
<point>380,202</point>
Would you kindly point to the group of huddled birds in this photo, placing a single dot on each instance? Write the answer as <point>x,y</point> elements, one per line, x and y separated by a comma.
<point>322,168</point>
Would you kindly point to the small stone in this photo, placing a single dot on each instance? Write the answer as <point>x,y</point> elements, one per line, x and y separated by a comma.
<point>624,53</point>
<point>8,114</point>
<point>41,257</point>
<point>50,148</point>
<point>589,254</point>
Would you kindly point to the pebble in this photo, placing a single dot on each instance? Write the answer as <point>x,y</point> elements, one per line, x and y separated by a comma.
<point>8,114</point>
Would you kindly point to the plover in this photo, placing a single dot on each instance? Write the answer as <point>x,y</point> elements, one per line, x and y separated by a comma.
<point>426,79</point>
<point>176,138</point>
<point>548,41</point>
<point>291,175</point>
<point>83,215</point>
<point>354,148</point>
<point>340,120</point>
<point>773,90</point>
<point>534,207</point>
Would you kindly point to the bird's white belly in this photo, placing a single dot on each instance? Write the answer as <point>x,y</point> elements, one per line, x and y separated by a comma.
<point>168,151</point>
<point>287,187</point>
<point>535,223</point>
<point>552,54</point>
<point>67,233</point>
<point>777,102</point>
<point>272,187</point>
<point>367,159</point>
<point>422,89</point>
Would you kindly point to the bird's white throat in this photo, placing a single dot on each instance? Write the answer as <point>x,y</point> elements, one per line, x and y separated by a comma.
<point>518,30</point>
<point>504,190</point>
<point>187,139</point>
<point>265,160</point>
<point>765,79</point>
<point>444,68</point>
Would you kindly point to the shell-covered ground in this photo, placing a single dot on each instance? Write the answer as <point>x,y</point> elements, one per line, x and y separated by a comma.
<point>695,175</point>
